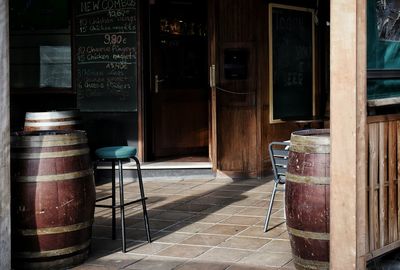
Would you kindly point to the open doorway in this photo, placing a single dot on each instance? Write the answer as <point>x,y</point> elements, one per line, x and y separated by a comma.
<point>177,101</point>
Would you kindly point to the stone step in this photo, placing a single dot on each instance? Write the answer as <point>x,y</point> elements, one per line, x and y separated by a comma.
<point>160,170</point>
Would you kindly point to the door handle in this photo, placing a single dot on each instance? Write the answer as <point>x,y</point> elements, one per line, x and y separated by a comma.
<point>212,76</point>
<point>157,82</point>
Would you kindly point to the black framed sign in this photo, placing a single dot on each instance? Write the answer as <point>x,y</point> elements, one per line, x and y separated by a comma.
<point>105,55</point>
<point>291,63</point>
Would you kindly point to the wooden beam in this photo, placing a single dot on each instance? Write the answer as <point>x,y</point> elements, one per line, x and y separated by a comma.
<point>392,176</point>
<point>348,135</point>
<point>379,252</point>
<point>5,234</point>
<point>140,85</point>
<point>383,118</point>
<point>362,137</point>
<point>373,186</point>
<point>383,185</point>
<point>212,61</point>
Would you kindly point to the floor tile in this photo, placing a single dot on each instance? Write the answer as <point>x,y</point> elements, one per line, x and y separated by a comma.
<point>283,236</point>
<point>253,211</point>
<point>154,224</point>
<point>173,215</point>
<point>156,263</point>
<point>248,202</point>
<point>105,245</point>
<point>270,259</point>
<point>289,266</point>
<point>235,187</point>
<point>224,255</point>
<point>241,220</point>
<point>189,227</point>
<point>244,243</point>
<point>256,195</point>
<point>193,265</point>
<point>225,229</point>
<point>247,267</point>
<point>209,200</point>
<point>134,234</point>
<point>208,218</point>
<point>183,251</point>
<point>279,214</point>
<point>118,260</point>
<point>192,207</point>
<point>171,237</point>
<point>227,210</point>
<point>224,194</point>
<point>273,222</point>
<point>154,212</point>
<point>147,249</point>
<point>196,224</point>
<point>95,267</point>
<point>277,246</point>
<point>258,231</point>
<point>205,240</point>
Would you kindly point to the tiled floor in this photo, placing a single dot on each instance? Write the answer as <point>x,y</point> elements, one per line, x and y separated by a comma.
<point>214,224</point>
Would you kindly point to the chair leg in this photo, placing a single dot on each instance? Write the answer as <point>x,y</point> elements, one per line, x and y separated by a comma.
<point>122,204</point>
<point>113,229</point>
<point>143,199</point>
<point>271,203</point>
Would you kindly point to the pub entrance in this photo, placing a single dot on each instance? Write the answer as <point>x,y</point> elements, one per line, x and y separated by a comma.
<point>177,101</point>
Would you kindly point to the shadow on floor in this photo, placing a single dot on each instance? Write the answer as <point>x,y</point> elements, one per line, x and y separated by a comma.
<point>179,209</point>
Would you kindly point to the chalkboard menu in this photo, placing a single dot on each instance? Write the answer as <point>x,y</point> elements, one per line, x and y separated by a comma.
<point>105,55</point>
<point>291,56</point>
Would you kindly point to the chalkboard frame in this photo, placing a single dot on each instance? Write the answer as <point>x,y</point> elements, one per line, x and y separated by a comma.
<point>272,118</point>
<point>137,65</point>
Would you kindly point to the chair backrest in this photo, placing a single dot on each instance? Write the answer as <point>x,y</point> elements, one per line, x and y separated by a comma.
<point>279,153</point>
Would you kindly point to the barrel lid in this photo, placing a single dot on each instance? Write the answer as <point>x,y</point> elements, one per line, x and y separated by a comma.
<point>51,114</point>
<point>310,141</point>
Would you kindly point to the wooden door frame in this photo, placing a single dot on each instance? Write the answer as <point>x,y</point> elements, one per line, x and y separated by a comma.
<point>141,76</point>
<point>145,80</point>
<point>212,60</point>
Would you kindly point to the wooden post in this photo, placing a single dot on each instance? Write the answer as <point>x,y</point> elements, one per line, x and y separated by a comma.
<point>348,135</point>
<point>212,61</point>
<point>5,234</point>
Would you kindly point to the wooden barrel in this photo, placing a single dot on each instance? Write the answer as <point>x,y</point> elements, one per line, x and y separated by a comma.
<point>307,198</point>
<point>53,197</point>
<point>52,120</point>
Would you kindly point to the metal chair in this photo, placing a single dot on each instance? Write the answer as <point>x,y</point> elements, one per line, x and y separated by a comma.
<point>278,152</point>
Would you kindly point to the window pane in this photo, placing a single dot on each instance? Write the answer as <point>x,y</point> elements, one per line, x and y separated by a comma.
<point>383,46</point>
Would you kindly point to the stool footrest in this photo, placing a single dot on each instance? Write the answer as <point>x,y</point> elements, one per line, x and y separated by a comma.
<point>119,205</point>
<point>103,198</point>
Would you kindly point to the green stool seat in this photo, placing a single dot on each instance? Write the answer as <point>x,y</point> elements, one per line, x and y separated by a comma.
<point>116,152</point>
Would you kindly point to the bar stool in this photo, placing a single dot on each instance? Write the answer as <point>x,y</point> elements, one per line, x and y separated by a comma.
<point>118,154</point>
